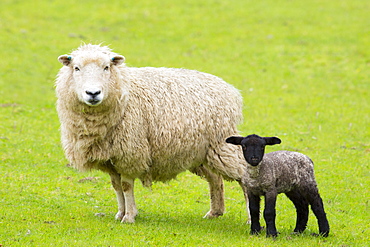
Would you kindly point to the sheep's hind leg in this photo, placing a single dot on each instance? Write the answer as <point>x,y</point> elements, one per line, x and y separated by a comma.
<point>216,187</point>
<point>245,192</point>
<point>317,207</point>
<point>116,183</point>
<point>301,206</point>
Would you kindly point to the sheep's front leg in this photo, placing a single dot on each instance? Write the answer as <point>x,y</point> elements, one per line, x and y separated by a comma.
<point>116,183</point>
<point>130,206</point>
<point>254,209</point>
<point>270,213</point>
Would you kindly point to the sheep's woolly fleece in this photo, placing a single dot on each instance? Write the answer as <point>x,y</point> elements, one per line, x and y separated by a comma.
<point>154,122</point>
<point>284,169</point>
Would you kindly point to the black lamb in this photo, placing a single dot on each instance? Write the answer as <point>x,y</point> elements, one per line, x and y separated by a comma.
<point>286,172</point>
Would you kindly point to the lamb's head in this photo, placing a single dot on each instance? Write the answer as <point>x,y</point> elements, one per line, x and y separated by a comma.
<point>253,146</point>
<point>91,68</point>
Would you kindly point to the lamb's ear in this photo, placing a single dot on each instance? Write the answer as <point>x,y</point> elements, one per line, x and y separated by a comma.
<point>65,59</point>
<point>236,140</point>
<point>272,140</point>
<point>118,59</point>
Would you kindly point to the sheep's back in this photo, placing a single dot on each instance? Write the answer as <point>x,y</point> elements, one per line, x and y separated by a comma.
<point>288,170</point>
<point>185,113</point>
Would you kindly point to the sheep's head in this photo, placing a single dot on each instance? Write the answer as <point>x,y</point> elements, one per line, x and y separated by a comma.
<point>91,67</point>
<point>253,146</point>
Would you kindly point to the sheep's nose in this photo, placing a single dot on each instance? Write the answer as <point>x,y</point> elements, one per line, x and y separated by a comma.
<point>255,159</point>
<point>93,93</point>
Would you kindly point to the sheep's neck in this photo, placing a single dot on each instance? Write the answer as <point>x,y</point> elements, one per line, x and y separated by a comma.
<point>253,171</point>
<point>95,121</point>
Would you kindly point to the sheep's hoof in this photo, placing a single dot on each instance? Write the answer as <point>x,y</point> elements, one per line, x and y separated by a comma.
<point>324,234</point>
<point>257,231</point>
<point>119,215</point>
<point>128,219</point>
<point>273,235</point>
<point>212,215</point>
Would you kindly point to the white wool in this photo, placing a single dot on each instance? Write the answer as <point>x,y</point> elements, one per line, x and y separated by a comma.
<point>153,122</point>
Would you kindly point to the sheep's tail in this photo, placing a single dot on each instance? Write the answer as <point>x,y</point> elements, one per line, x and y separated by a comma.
<point>228,160</point>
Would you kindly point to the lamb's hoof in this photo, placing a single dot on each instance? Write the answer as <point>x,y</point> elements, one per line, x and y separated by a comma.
<point>324,234</point>
<point>273,235</point>
<point>257,231</point>
<point>212,215</point>
<point>119,215</point>
<point>128,219</point>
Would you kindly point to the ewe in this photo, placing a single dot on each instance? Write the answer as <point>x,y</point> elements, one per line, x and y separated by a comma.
<point>147,123</point>
<point>279,172</point>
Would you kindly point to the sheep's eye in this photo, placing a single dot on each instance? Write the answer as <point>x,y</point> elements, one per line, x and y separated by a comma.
<point>106,68</point>
<point>244,147</point>
<point>77,68</point>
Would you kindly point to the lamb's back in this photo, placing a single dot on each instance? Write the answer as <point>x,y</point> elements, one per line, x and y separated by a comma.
<point>288,170</point>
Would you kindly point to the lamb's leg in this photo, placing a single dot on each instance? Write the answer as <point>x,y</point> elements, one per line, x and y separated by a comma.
<point>216,188</point>
<point>270,213</point>
<point>116,183</point>
<point>301,206</point>
<point>244,188</point>
<point>130,206</point>
<point>254,209</point>
<point>317,207</point>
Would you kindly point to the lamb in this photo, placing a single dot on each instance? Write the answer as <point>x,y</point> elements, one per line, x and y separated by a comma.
<point>147,123</point>
<point>277,172</point>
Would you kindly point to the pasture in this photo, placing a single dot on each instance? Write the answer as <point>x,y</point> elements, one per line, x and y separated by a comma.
<point>303,68</point>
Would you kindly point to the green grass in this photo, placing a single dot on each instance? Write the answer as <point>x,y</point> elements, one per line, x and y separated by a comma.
<point>303,68</point>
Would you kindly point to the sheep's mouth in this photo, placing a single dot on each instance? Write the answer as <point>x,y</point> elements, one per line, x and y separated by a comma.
<point>254,161</point>
<point>93,102</point>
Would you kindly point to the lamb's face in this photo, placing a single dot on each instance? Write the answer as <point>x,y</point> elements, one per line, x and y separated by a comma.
<point>91,73</point>
<point>253,146</point>
<point>253,149</point>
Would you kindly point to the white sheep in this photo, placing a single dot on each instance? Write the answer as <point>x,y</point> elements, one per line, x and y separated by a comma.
<point>277,172</point>
<point>147,123</point>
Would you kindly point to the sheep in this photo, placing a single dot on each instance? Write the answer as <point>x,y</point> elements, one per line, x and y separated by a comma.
<point>277,172</point>
<point>146,123</point>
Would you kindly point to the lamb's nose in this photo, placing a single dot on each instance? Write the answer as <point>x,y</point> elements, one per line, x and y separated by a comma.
<point>93,94</point>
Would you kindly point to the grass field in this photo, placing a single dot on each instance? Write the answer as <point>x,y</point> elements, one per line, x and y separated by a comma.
<point>303,68</point>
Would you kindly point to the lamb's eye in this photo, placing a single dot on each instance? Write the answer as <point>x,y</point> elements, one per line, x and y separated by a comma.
<point>77,68</point>
<point>106,68</point>
<point>244,147</point>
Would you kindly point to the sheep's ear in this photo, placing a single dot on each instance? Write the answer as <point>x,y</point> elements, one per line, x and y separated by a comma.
<point>117,60</point>
<point>272,140</point>
<point>65,59</point>
<point>236,140</point>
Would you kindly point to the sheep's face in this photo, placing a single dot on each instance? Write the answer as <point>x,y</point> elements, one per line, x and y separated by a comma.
<point>253,146</point>
<point>91,75</point>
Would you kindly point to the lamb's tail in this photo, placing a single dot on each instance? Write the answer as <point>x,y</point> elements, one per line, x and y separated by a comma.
<point>227,160</point>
